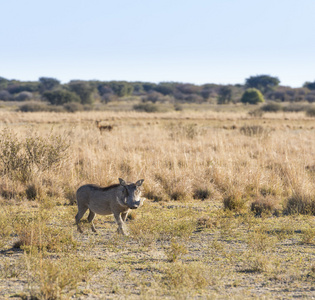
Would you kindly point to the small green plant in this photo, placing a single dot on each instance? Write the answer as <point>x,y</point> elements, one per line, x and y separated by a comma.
<point>260,241</point>
<point>175,251</point>
<point>206,222</point>
<point>308,236</point>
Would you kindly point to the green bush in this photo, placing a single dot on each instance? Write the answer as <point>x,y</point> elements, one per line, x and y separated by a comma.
<point>146,107</point>
<point>73,107</point>
<point>34,107</point>
<point>296,107</point>
<point>252,96</point>
<point>271,107</point>
<point>311,112</point>
<point>60,97</point>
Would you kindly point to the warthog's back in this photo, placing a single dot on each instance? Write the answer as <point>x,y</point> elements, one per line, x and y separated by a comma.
<point>98,199</point>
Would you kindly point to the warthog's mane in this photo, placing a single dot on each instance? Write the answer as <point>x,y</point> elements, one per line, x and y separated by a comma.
<point>96,187</point>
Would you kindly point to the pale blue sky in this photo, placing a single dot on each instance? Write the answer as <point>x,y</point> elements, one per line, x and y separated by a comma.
<point>196,41</point>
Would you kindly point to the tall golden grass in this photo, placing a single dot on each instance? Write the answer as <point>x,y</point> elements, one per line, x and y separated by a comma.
<point>219,156</point>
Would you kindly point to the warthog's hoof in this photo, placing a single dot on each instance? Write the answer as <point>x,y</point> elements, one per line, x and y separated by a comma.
<point>122,231</point>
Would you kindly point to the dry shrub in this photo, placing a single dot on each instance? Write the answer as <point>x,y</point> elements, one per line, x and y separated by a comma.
<point>300,204</point>
<point>186,131</point>
<point>50,279</point>
<point>155,195</point>
<point>24,158</point>
<point>257,113</point>
<point>34,190</point>
<point>175,188</point>
<point>255,130</point>
<point>265,206</point>
<point>193,275</point>
<point>257,263</point>
<point>12,189</point>
<point>201,193</point>
<point>234,202</point>
<point>70,194</point>
<point>38,236</point>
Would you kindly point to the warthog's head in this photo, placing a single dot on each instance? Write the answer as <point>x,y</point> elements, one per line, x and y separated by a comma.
<point>132,193</point>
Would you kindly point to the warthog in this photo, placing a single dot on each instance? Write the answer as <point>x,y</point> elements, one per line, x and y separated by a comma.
<point>116,199</point>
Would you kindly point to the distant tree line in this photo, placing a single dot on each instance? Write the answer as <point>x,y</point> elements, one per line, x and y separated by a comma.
<point>78,92</point>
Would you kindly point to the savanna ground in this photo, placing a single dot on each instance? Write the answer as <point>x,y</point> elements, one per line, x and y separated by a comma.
<point>229,212</point>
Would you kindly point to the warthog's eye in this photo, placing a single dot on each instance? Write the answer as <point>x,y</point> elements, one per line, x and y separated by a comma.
<point>126,192</point>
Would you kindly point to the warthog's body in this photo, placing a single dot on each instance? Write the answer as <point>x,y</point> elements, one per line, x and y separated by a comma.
<point>116,199</point>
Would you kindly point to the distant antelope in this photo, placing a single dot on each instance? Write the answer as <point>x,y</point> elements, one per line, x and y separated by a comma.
<point>103,127</point>
<point>116,199</point>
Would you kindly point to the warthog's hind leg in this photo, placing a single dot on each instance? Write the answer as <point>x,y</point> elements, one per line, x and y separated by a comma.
<point>90,219</point>
<point>79,216</point>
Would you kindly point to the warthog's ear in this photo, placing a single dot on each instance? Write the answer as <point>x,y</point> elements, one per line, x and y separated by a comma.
<point>139,182</point>
<point>122,182</point>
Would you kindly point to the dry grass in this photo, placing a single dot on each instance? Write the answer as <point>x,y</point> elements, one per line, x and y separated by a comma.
<point>229,209</point>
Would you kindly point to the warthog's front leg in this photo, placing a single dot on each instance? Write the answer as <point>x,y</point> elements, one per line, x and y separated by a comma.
<point>124,216</point>
<point>121,226</point>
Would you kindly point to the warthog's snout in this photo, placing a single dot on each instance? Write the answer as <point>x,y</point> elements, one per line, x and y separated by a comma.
<point>116,199</point>
<point>135,206</point>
